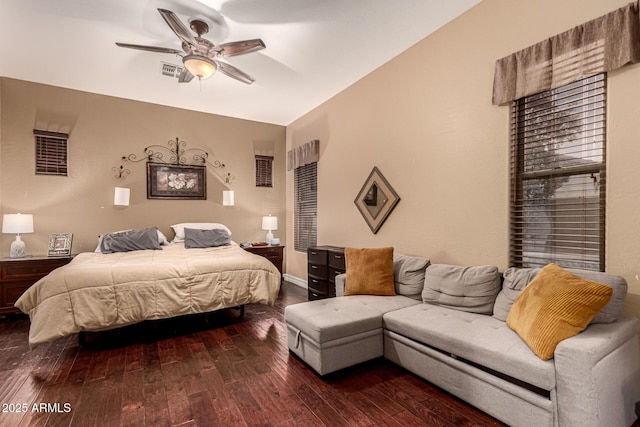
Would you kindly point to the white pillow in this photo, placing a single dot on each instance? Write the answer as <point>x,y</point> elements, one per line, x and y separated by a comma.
<point>179,228</point>
<point>162,239</point>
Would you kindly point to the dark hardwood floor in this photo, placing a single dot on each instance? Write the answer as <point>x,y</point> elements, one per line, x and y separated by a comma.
<point>215,370</point>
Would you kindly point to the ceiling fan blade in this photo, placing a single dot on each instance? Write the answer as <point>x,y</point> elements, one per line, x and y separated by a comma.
<point>150,48</point>
<point>241,47</point>
<point>233,72</point>
<point>185,76</point>
<point>178,27</point>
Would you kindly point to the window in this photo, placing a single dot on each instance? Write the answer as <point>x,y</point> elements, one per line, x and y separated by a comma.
<point>264,171</point>
<point>51,153</point>
<point>558,176</point>
<point>305,183</point>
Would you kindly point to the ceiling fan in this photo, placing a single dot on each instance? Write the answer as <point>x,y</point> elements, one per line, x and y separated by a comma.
<point>200,56</point>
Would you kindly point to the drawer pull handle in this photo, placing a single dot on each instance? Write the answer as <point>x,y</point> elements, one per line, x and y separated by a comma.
<point>338,256</point>
<point>315,267</point>
<point>314,253</point>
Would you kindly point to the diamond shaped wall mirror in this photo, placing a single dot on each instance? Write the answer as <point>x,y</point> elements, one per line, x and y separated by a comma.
<point>376,200</point>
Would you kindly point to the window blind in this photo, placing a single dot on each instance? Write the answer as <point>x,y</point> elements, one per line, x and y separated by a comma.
<point>264,171</point>
<point>305,184</point>
<point>558,176</point>
<point>51,152</point>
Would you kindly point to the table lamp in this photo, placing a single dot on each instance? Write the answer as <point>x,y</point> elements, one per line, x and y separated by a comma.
<point>269,223</point>
<point>17,224</point>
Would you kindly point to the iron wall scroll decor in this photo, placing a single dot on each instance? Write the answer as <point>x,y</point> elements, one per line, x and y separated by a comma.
<point>175,171</point>
<point>176,153</point>
<point>376,200</point>
<point>176,181</point>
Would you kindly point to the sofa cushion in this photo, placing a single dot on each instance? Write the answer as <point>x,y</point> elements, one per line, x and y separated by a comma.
<point>516,279</point>
<point>478,338</point>
<point>408,275</point>
<point>556,305</point>
<point>472,289</point>
<point>332,318</point>
<point>369,271</point>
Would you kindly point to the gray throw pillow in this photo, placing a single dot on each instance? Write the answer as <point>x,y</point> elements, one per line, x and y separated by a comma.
<point>515,280</point>
<point>408,275</point>
<point>471,289</point>
<point>131,240</point>
<point>195,238</point>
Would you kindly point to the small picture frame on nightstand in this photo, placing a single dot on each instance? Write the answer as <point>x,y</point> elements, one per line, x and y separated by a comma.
<point>60,244</point>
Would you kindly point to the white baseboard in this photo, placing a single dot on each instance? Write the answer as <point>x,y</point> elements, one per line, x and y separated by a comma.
<point>296,280</point>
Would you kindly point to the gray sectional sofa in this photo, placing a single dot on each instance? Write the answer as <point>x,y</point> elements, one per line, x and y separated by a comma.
<point>447,325</point>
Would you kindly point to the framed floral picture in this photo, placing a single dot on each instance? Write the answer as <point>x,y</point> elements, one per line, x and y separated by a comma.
<point>60,244</point>
<point>176,181</point>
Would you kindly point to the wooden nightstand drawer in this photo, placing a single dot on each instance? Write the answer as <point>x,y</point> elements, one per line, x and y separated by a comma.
<point>30,268</point>
<point>17,275</point>
<point>12,291</point>
<point>275,254</point>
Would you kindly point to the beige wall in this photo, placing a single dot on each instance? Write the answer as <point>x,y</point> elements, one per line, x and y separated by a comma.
<point>102,130</point>
<point>425,119</point>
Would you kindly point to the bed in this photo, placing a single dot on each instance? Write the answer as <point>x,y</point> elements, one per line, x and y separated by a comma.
<point>100,291</point>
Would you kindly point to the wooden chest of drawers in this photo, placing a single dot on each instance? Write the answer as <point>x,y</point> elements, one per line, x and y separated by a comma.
<point>17,274</point>
<point>324,263</point>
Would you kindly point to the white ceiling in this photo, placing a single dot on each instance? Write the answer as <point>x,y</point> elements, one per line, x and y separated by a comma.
<point>315,48</point>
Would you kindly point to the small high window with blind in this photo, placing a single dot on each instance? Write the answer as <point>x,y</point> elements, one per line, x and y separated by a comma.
<point>558,176</point>
<point>51,152</point>
<point>264,171</point>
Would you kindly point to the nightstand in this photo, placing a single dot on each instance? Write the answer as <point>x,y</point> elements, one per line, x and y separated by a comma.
<point>17,274</point>
<point>275,254</point>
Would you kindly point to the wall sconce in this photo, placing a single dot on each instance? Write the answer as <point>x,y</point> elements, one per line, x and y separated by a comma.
<point>121,172</point>
<point>17,224</point>
<point>227,198</point>
<point>269,223</point>
<point>121,196</point>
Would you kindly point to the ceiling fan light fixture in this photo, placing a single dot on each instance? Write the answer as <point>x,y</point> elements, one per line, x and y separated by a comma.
<point>200,66</point>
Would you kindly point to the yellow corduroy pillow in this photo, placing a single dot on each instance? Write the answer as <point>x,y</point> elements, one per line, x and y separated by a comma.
<point>369,271</point>
<point>556,305</point>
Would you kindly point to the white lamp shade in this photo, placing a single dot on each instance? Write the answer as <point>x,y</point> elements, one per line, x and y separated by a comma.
<point>17,223</point>
<point>121,196</point>
<point>269,222</point>
<point>227,198</point>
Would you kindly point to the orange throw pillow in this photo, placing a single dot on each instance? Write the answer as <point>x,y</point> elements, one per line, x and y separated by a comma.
<point>556,305</point>
<point>369,271</point>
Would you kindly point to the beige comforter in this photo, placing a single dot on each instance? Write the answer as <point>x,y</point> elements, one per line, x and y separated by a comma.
<point>103,291</point>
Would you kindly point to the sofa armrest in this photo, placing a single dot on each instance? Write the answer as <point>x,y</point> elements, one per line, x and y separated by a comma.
<point>598,375</point>
<point>340,281</point>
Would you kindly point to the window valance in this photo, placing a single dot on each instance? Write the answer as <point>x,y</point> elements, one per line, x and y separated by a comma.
<point>303,155</point>
<point>603,44</point>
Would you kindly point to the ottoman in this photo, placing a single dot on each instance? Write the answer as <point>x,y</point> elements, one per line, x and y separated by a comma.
<point>335,333</point>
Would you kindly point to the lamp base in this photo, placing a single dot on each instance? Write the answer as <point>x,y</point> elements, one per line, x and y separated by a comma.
<point>18,249</point>
<point>269,237</point>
